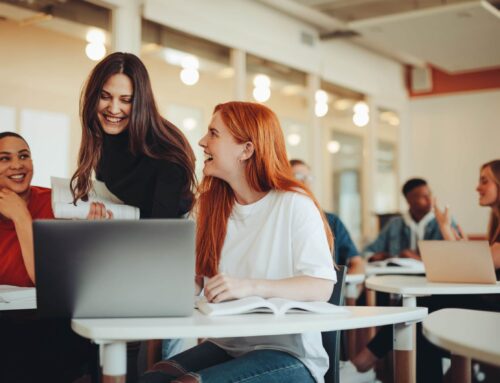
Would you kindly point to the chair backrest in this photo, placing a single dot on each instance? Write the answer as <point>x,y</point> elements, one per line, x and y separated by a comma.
<point>331,339</point>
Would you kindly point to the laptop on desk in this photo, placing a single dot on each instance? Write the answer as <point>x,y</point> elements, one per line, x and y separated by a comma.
<point>114,268</point>
<point>458,261</point>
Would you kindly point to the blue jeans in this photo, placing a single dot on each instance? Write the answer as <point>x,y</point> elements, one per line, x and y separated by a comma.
<point>170,347</point>
<point>209,363</point>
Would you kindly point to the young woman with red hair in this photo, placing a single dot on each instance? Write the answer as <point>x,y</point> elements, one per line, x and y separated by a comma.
<point>259,232</point>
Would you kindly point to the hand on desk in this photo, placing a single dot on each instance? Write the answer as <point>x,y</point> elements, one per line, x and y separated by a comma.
<point>222,288</point>
<point>407,253</point>
<point>380,256</point>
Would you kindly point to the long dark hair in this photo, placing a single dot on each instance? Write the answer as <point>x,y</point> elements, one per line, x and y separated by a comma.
<point>494,225</point>
<point>150,134</point>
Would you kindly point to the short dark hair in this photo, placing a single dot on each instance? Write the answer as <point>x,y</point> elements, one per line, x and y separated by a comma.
<point>295,161</point>
<point>12,134</point>
<point>412,184</point>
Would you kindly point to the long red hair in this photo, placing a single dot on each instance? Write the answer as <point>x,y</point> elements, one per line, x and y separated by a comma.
<point>267,169</point>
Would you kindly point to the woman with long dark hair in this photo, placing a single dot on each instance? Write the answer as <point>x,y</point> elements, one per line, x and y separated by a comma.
<point>259,232</point>
<point>142,158</point>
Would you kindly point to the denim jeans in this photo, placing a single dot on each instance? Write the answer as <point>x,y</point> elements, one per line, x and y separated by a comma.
<point>170,347</point>
<point>209,363</point>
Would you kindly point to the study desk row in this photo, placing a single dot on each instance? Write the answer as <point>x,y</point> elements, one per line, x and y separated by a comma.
<point>112,334</point>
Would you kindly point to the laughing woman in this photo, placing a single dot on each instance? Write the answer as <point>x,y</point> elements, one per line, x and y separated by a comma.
<point>142,158</point>
<point>259,232</point>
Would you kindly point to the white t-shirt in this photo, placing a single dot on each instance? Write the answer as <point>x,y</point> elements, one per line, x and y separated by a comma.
<point>280,236</point>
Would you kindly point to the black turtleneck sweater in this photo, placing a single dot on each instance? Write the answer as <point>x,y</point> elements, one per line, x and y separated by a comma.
<point>153,185</point>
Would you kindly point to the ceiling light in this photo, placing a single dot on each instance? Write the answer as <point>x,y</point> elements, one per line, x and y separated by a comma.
<point>360,119</point>
<point>95,51</point>
<point>293,139</point>
<point>261,94</point>
<point>189,76</point>
<point>361,108</point>
<point>333,146</point>
<point>96,36</point>
<point>262,81</point>
<point>320,109</point>
<point>321,96</point>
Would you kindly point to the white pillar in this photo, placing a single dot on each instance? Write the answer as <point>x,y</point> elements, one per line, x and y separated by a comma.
<point>369,171</point>
<point>239,65</point>
<point>126,27</point>
<point>313,85</point>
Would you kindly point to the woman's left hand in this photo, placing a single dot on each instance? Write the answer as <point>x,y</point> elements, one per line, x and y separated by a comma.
<point>222,288</point>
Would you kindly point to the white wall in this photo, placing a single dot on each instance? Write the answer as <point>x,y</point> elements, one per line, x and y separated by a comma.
<point>452,136</point>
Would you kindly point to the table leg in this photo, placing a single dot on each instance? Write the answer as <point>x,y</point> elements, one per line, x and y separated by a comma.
<point>114,362</point>
<point>404,353</point>
<point>404,348</point>
<point>460,369</point>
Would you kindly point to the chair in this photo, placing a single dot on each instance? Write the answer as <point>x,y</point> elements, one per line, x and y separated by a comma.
<point>331,339</point>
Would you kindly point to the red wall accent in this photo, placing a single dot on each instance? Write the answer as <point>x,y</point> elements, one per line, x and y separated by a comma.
<point>445,83</point>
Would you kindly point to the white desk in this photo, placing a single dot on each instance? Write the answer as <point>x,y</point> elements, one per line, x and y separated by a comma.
<point>22,304</point>
<point>112,334</point>
<point>411,287</point>
<point>352,282</point>
<point>391,270</point>
<point>466,334</point>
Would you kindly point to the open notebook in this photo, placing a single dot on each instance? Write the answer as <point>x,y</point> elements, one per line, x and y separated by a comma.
<point>277,306</point>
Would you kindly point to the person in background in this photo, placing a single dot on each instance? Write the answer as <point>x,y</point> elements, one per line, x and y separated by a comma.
<point>345,250</point>
<point>259,232</point>
<point>400,235</point>
<point>488,189</point>
<point>31,349</point>
<point>143,159</point>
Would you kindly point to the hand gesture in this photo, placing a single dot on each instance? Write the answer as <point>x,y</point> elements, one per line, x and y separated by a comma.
<point>98,211</point>
<point>12,206</point>
<point>442,216</point>
<point>222,288</point>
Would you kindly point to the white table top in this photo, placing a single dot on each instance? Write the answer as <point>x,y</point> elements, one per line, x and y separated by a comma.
<point>391,270</point>
<point>22,304</point>
<point>355,279</point>
<point>200,326</point>
<point>418,285</point>
<point>468,333</point>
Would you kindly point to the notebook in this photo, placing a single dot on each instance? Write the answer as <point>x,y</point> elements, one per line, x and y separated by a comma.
<point>458,261</point>
<point>114,268</point>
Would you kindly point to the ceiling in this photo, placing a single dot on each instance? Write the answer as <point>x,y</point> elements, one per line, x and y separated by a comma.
<point>453,35</point>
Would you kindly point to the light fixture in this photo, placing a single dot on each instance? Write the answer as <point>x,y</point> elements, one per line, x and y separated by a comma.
<point>293,139</point>
<point>321,106</point>
<point>333,146</point>
<point>261,91</point>
<point>361,115</point>
<point>95,51</point>
<point>361,119</point>
<point>320,110</point>
<point>261,94</point>
<point>189,76</point>
<point>189,123</point>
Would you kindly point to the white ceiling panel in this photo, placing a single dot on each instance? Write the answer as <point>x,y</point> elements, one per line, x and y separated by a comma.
<point>455,38</point>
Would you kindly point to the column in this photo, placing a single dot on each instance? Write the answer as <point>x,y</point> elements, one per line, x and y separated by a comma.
<point>126,27</point>
<point>313,85</point>
<point>239,65</point>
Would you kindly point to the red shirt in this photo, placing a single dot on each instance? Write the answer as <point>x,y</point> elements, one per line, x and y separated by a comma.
<point>12,269</point>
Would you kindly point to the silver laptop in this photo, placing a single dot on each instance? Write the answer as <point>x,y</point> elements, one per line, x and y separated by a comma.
<point>114,268</point>
<point>458,261</point>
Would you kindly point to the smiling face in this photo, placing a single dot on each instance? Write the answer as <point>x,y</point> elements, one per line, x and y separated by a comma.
<point>420,200</point>
<point>115,104</point>
<point>16,167</point>
<point>487,188</point>
<point>224,157</point>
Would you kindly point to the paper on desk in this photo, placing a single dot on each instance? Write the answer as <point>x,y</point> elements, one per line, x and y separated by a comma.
<point>10,293</point>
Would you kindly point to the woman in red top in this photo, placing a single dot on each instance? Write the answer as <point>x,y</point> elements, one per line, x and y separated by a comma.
<point>31,349</point>
<point>20,203</point>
